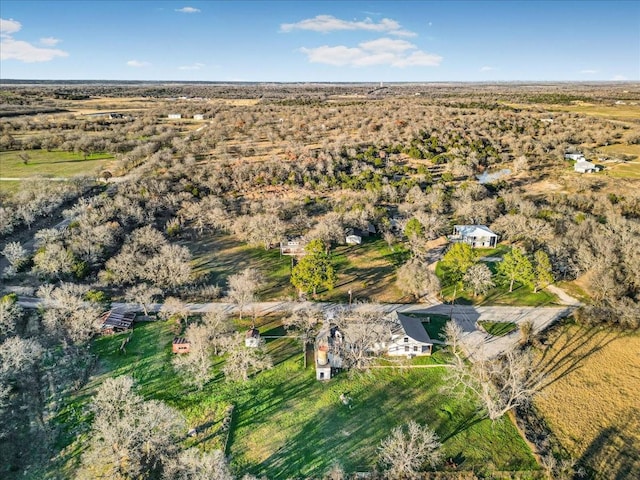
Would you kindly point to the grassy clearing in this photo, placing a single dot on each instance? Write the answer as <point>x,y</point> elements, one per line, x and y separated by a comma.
<point>290,425</point>
<point>624,170</point>
<point>499,295</point>
<point>575,290</point>
<point>620,149</point>
<point>613,112</point>
<point>219,256</point>
<point>368,270</point>
<point>591,400</point>
<point>54,164</point>
<point>9,186</point>
<point>498,329</point>
<point>286,424</point>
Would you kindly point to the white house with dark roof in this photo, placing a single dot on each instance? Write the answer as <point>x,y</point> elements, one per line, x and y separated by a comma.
<point>478,236</point>
<point>403,336</point>
<point>409,338</point>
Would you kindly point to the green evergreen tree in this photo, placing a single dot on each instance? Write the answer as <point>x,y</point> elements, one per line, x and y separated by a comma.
<point>543,270</point>
<point>314,270</point>
<point>414,228</point>
<point>455,263</point>
<point>516,267</point>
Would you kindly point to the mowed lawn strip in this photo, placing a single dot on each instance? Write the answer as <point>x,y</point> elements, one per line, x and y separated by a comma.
<point>53,163</point>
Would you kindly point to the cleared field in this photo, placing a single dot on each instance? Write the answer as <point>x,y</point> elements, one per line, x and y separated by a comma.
<point>368,270</point>
<point>625,113</point>
<point>629,170</point>
<point>621,149</point>
<point>54,164</point>
<point>591,402</point>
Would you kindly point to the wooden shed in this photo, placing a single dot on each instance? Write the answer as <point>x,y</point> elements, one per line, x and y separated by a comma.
<point>180,345</point>
<point>115,321</point>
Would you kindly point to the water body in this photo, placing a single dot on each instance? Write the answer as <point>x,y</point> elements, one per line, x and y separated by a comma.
<point>487,177</point>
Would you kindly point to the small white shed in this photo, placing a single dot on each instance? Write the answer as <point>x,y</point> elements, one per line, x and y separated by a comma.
<point>353,240</point>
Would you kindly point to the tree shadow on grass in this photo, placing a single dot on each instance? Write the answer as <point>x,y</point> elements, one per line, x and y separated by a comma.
<point>570,351</point>
<point>614,452</point>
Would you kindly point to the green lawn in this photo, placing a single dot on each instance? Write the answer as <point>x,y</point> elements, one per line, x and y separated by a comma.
<point>285,423</point>
<point>499,295</point>
<point>368,270</point>
<point>54,164</point>
<point>218,256</point>
<point>498,329</point>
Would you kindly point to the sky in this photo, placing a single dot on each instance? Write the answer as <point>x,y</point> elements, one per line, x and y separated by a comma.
<point>320,41</point>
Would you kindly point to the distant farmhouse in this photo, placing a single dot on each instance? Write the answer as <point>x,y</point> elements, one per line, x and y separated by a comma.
<point>198,116</point>
<point>474,235</point>
<point>583,166</point>
<point>576,157</point>
<point>406,338</point>
<point>174,116</point>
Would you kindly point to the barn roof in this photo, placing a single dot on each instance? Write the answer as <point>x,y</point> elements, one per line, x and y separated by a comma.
<point>117,320</point>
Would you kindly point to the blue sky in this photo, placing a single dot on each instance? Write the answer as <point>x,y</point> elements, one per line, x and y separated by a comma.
<point>341,41</point>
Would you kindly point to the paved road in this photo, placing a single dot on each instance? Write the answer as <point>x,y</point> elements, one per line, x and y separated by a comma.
<point>467,316</point>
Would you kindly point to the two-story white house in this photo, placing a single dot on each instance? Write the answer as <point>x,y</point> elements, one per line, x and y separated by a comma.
<point>478,236</point>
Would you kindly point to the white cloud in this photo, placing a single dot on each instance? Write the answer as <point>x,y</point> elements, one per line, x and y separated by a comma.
<point>619,78</point>
<point>486,68</point>
<point>383,51</point>
<point>588,71</point>
<point>329,23</point>
<point>7,27</point>
<point>195,66</point>
<point>188,10</point>
<point>138,64</point>
<point>50,41</point>
<point>12,49</point>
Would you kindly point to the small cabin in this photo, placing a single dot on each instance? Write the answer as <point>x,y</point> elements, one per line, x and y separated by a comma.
<point>252,338</point>
<point>198,116</point>
<point>174,116</point>
<point>180,345</point>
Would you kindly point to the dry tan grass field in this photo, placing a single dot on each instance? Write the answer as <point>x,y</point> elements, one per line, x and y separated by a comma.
<point>592,403</point>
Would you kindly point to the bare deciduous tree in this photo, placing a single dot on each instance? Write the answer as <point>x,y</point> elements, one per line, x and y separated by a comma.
<point>304,322</point>
<point>10,313</point>
<point>243,287</point>
<point>15,254</point>
<point>67,312</point>
<point>143,295</point>
<point>405,453</point>
<point>242,361</point>
<point>192,464</point>
<point>417,279</point>
<point>195,366</point>
<point>500,384</point>
<point>478,278</point>
<point>364,331</point>
<point>131,437</point>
